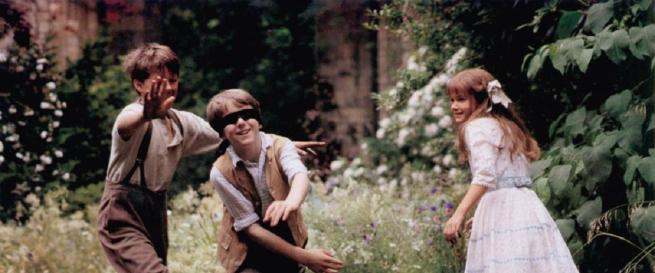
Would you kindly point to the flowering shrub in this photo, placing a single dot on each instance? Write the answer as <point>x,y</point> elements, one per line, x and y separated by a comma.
<point>30,114</point>
<point>414,143</point>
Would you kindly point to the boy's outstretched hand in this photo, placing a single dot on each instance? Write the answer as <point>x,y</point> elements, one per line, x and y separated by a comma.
<point>304,148</point>
<point>158,100</point>
<point>279,210</point>
<point>321,261</point>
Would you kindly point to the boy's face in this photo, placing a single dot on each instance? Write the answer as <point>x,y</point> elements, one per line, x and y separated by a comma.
<point>462,105</point>
<point>242,132</point>
<point>169,80</point>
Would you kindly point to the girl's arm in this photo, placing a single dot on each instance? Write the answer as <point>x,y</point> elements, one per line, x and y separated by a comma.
<point>317,260</point>
<point>472,196</point>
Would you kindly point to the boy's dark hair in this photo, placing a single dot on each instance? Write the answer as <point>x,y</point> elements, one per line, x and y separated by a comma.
<point>140,62</point>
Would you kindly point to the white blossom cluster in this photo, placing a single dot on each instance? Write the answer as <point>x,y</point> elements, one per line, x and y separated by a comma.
<point>418,128</point>
<point>29,126</point>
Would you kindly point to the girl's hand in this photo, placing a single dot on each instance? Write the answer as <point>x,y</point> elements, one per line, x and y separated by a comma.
<point>304,148</point>
<point>279,210</point>
<point>452,227</point>
<point>158,100</point>
<point>321,261</point>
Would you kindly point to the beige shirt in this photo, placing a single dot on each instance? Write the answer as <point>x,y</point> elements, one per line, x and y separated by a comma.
<point>195,137</point>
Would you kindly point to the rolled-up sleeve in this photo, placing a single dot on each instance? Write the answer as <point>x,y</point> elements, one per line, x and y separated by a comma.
<point>199,136</point>
<point>482,139</point>
<point>291,162</point>
<point>237,205</point>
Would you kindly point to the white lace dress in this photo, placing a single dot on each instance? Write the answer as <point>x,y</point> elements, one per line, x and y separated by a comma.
<point>512,230</point>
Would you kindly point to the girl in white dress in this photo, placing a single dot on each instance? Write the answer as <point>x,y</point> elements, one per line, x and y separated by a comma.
<point>512,231</point>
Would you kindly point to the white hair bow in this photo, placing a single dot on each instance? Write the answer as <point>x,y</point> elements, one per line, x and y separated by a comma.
<point>497,95</point>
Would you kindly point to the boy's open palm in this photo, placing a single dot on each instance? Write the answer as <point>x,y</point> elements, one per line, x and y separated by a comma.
<point>158,100</point>
<point>322,261</point>
<point>279,210</point>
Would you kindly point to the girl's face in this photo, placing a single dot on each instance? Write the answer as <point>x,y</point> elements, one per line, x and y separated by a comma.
<point>462,105</point>
<point>242,132</point>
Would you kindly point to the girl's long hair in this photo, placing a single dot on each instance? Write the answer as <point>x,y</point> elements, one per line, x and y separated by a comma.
<point>516,136</point>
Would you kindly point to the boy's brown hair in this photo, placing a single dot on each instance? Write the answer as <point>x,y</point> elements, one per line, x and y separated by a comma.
<point>217,106</point>
<point>516,137</point>
<point>140,62</point>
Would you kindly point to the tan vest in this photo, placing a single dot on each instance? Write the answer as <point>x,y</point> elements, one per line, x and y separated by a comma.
<point>231,249</point>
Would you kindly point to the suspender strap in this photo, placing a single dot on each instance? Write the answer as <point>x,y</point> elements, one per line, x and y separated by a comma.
<point>140,159</point>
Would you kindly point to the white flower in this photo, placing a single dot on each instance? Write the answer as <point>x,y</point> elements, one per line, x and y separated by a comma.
<point>436,169</point>
<point>381,169</point>
<point>364,146</point>
<point>59,153</point>
<point>448,160</point>
<point>55,172</point>
<point>51,85</point>
<point>39,67</point>
<point>400,84</point>
<point>359,172</point>
<point>453,173</point>
<point>59,113</point>
<point>405,117</point>
<point>437,111</point>
<point>28,112</point>
<point>66,176</point>
<point>52,97</point>
<point>426,150</point>
<point>55,124</point>
<point>422,50</point>
<point>32,199</point>
<point>45,159</point>
<point>411,63</point>
<point>12,109</point>
<point>402,136</point>
<point>19,155</point>
<point>3,56</point>
<point>379,133</point>
<point>169,212</point>
<point>347,173</point>
<point>2,159</point>
<point>46,105</point>
<point>2,147</point>
<point>414,100</point>
<point>336,165</point>
<point>445,122</point>
<point>44,134</point>
<point>42,61</point>
<point>385,122</point>
<point>39,168</point>
<point>431,129</point>
<point>12,138</point>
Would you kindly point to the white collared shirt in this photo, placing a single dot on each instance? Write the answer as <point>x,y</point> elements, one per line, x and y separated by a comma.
<point>237,205</point>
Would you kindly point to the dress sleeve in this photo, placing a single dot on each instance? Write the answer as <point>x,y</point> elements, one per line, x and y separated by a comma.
<point>482,139</point>
<point>290,161</point>
<point>237,205</point>
<point>199,136</point>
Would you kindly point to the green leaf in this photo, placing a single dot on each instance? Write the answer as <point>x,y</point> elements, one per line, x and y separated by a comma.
<point>574,124</point>
<point>542,189</point>
<point>598,16</point>
<point>635,193</point>
<point>637,46</point>
<point>642,223</point>
<point>598,160</point>
<point>536,62</point>
<point>558,179</point>
<point>647,169</point>
<point>537,167</point>
<point>567,23</point>
<point>566,227</point>
<point>618,41</point>
<point>589,211</point>
<point>558,56</point>
<point>617,104</point>
<point>630,168</point>
<point>584,58</point>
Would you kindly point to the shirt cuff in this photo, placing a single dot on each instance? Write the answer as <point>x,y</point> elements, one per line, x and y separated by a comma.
<point>240,224</point>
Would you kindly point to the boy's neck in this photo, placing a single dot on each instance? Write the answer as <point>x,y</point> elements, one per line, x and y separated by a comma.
<point>249,152</point>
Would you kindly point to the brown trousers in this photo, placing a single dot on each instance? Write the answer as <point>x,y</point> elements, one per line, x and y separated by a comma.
<point>132,227</point>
